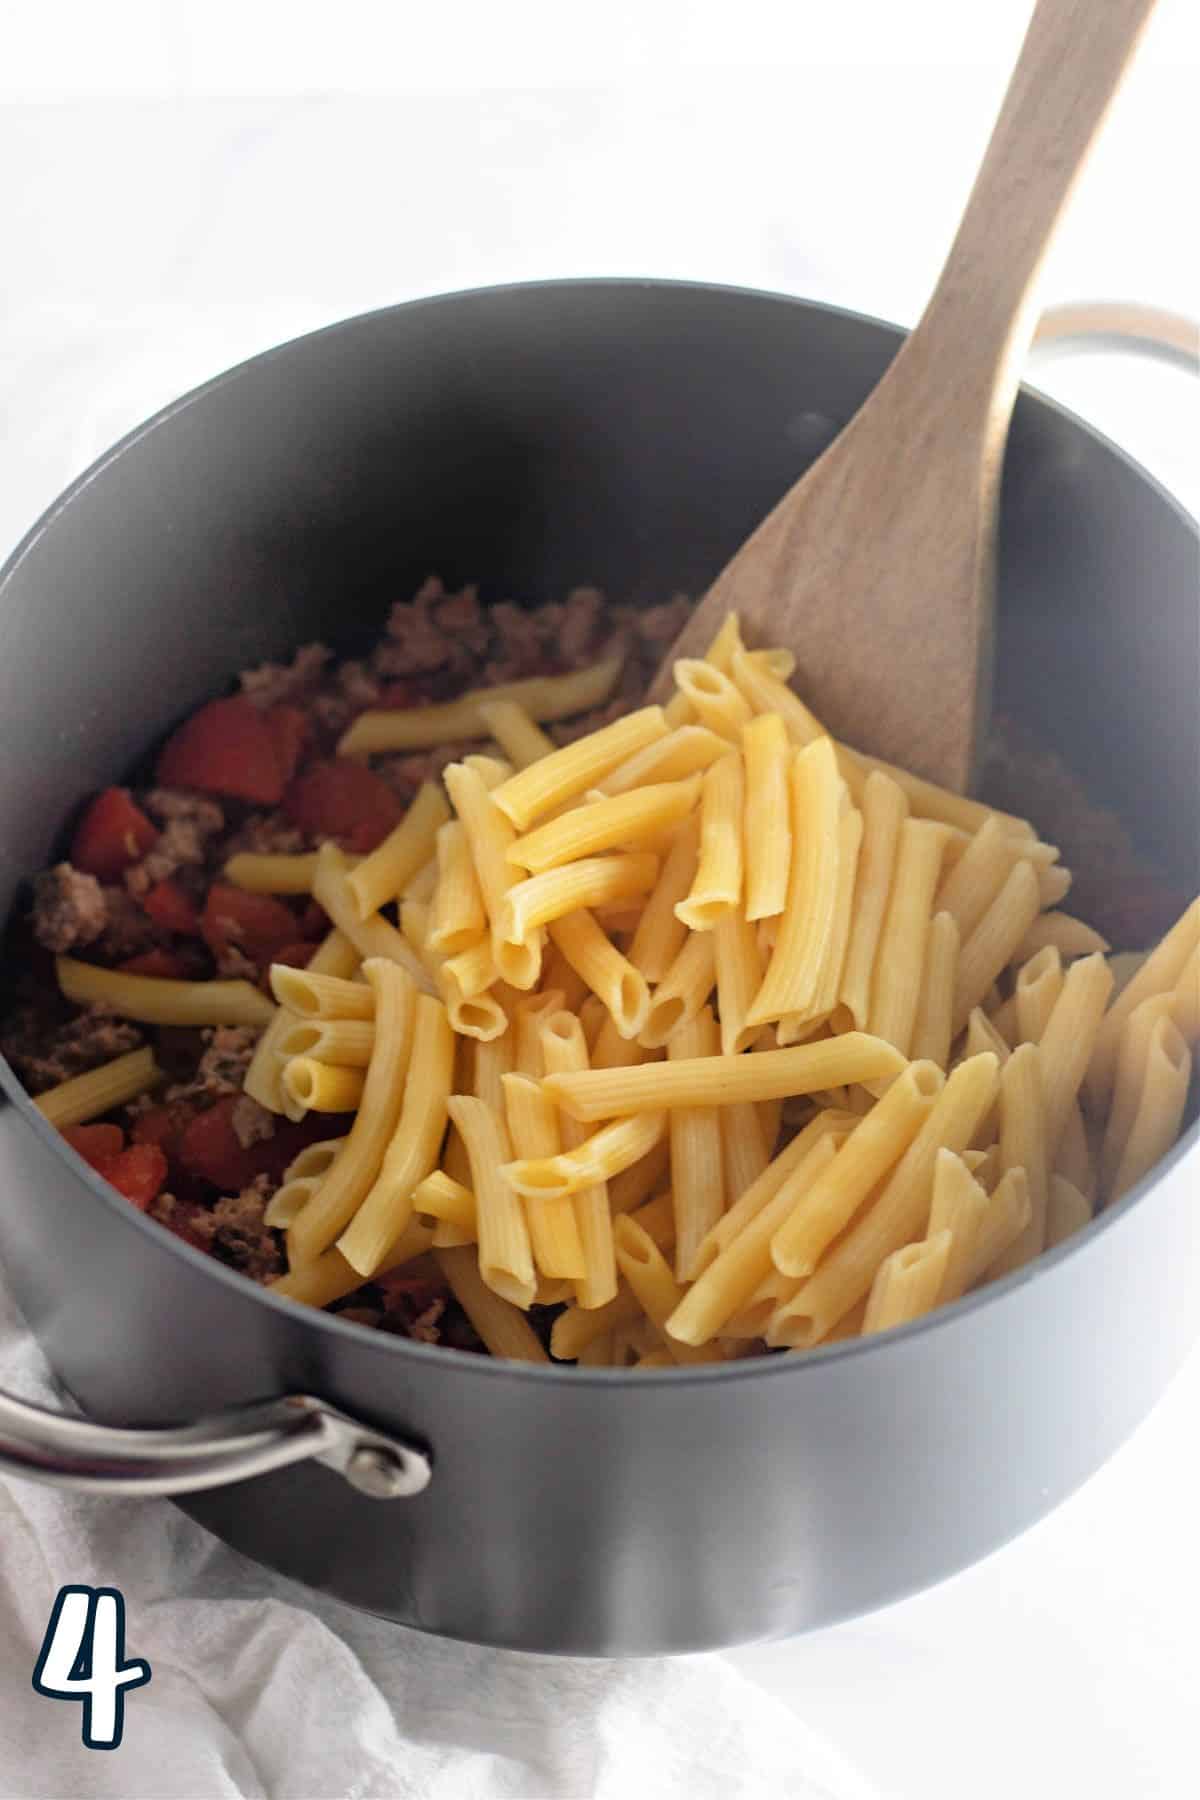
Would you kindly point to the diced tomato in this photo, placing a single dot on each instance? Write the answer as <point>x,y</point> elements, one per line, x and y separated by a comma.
<point>225,748</point>
<point>343,800</point>
<point>139,1172</point>
<point>256,924</point>
<point>210,1147</point>
<point>169,906</point>
<point>297,956</point>
<point>164,1126</point>
<point>95,1143</point>
<point>112,833</point>
<point>162,964</point>
<point>288,727</point>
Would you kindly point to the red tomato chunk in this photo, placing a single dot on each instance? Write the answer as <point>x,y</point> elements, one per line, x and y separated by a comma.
<point>255,924</point>
<point>225,748</point>
<point>112,833</point>
<point>169,907</point>
<point>161,964</point>
<point>343,800</point>
<point>288,727</point>
<point>138,1171</point>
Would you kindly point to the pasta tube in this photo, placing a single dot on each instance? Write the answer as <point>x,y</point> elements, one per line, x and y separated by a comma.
<point>350,1178</point>
<point>594,881</point>
<point>458,919</point>
<point>717,887</point>
<point>503,1327</point>
<point>505,1256</point>
<point>544,697</point>
<point>97,1091</point>
<point>793,974</point>
<point>900,960</point>
<point>562,776</point>
<point>386,872</point>
<point>609,974</point>
<point>696,1157</point>
<point>608,824</point>
<point>412,1151</point>
<point>154,1001</point>
<point>768,825</point>
<point>906,1284</point>
<point>884,810</point>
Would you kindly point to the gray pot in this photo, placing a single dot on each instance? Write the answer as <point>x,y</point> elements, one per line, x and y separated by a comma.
<point>629,434</point>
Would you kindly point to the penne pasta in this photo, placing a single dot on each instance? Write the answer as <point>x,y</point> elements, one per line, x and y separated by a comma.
<point>330,1277</point>
<point>97,1091</point>
<point>766,691</point>
<point>522,741</point>
<point>561,777</point>
<point>458,918</point>
<point>557,973</point>
<point>610,824</point>
<point>348,1181</point>
<point>713,698</point>
<point>372,937</point>
<point>579,1326</point>
<point>1069,1039</point>
<point>682,992</point>
<point>564,1052</point>
<point>309,994</point>
<point>660,934</point>
<point>926,800</point>
<point>792,979</point>
<point>503,1327</point>
<point>873,1148</point>
<point>600,1157</point>
<point>645,1269</point>
<point>959,1205</point>
<point>747,1206</point>
<point>896,1216</point>
<point>263,1081</point>
<point>1038,985</point>
<point>533,1129</point>
<point>932,1032</point>
<point>151,1000</point>
<point>491,836</point>
<point>906,1284</point>
<point>635,1185</point>
<point>768,825</point>
<point>286,1203</point>
<point>724,1080</point>
<point>732,1277</point>
<point>995,940</point>
<point>833,963</point>
<point>717,887</point>
<point>688,750</point>
<point>592,882</point>
<point>385,873</point>
<point>1023,1145</point>
<point>505,1255</point>
<point>696,1151</point>
<point>1008,1214</point>
<point>900,959</point>
<point>347,1043</point>
<point>1067,1211</point>
<point>745,1152</point>
<point>1069,936</point>
<point>260,874</point>
<point>739,977</point>
<point>611,976</point>
<point>884,810</point>
<point>412,1152</point>
<point>545,698</point>
<point>1157,975</point>
<point>1166,1073</point>
<point>979,874</point>
<point>440,1197</point>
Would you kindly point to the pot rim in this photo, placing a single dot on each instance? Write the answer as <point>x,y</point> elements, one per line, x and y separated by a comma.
<point>491,1368</point>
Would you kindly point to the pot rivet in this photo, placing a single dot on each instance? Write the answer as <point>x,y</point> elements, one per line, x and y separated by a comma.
<point>376,1472</point>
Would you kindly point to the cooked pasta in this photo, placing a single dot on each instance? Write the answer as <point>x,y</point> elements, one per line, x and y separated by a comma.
<point>697,1172</point>
<point>88,1096</point>
<point>562,776</point>
<point>384,874</point>
<point>544,697</point>
<point>717,887</point>
<point>900,958</point>
<point>793,973</point>
<point>153,1001</point>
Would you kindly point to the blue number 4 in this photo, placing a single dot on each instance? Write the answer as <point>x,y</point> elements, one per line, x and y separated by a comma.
<point>82,1658</point>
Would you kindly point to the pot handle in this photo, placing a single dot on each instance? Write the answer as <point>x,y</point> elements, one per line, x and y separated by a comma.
<point>232,1446</point>
<point>1118,324</point>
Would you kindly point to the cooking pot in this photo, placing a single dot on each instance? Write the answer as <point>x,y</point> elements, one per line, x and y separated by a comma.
<point>627,434</point>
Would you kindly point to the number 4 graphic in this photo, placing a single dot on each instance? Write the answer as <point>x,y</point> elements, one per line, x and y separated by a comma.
<point>82,1658</point>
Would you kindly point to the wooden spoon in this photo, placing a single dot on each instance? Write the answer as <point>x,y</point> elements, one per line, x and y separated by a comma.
<point>876,569</point>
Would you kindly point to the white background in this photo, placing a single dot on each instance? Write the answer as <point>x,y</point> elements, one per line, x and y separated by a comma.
<point>183,184</point>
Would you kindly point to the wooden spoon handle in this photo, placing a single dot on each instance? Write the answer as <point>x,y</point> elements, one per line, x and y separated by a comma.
<point>1071,62</point>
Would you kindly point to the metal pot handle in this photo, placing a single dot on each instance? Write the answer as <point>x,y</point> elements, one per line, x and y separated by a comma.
<point>1118,324</point>
<point>232,1446</point>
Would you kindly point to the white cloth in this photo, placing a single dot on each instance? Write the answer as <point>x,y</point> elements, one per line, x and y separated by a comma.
<point>259,1689</point>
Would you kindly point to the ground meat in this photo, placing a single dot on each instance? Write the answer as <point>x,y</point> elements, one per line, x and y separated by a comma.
<point>68,908</point>
<point>128,931</point>
<point>581,624</point>
<point>332,713</point>
<point>180,806</point>
<point>267,834</point>
<point>222,1066</point>
<point>659,626</point>
<point>522,645</point>
<point>188,823</point>
<point>232,1230</point>
<point>406,773</point>
<point>252,1123</point>
<point>44,1059</point>
<point>416,644</point>
<point>357,686</point>
<point>271,684</point>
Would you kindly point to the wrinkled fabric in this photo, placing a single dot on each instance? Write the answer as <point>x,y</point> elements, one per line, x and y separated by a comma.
<point>261,1691</point>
